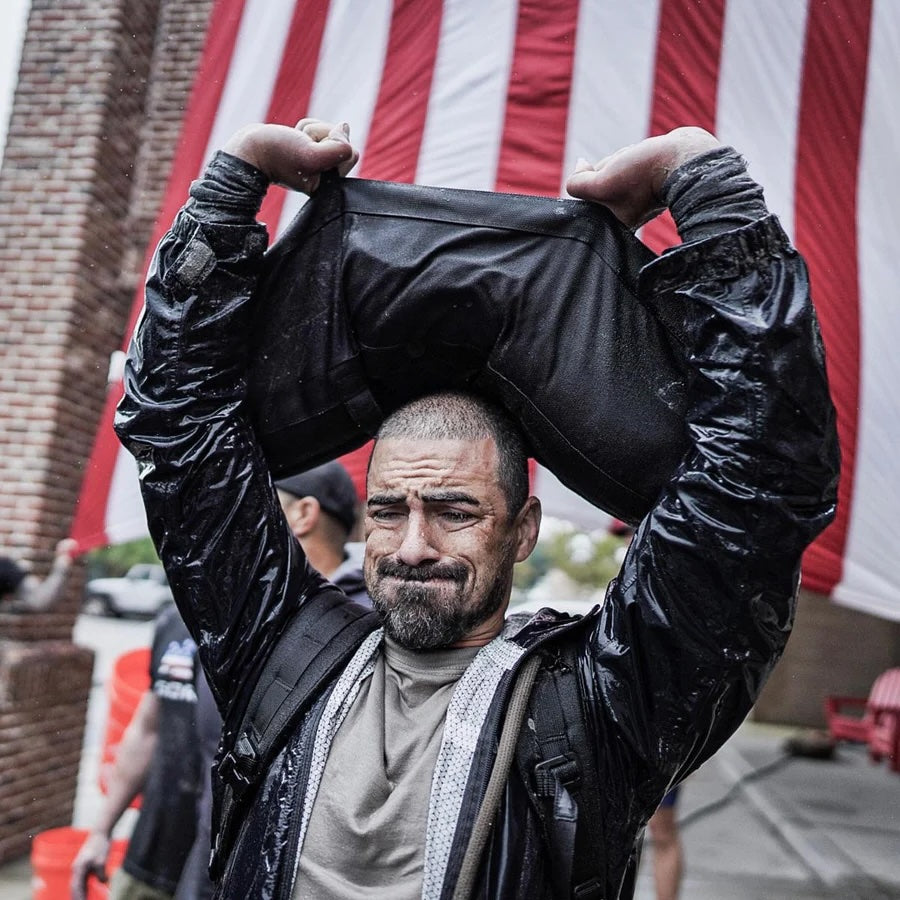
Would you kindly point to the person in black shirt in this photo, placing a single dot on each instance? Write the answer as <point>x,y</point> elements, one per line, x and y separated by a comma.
<point>655,679</point>
<point>158,759</point>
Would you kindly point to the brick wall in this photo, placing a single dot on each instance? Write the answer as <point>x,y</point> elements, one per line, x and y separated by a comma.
<point>179,43</point>
<point>832,650</point>
<point>42,692</point>
<point>98,106</point>
<point>65,191</point>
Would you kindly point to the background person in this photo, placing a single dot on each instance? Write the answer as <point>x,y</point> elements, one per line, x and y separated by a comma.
<point>158,759</point>
<point>321,508</point>
<point>21,591</point>
<point>170,744</point>
<point>668,854</point>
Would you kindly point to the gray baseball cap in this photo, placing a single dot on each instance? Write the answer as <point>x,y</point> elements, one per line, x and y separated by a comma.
<point>331,485</point>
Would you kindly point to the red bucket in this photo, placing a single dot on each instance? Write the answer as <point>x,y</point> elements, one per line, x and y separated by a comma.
<point>52,855</point>
<point>128,683</point>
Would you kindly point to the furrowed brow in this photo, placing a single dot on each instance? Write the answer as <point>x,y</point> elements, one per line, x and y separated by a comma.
<point>384,499</point>
<point>450,497</point>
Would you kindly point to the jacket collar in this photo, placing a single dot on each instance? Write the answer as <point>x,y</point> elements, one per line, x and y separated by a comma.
<point>530,630</point>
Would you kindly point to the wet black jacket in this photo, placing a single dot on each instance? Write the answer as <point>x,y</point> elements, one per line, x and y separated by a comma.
<point>665,670</point>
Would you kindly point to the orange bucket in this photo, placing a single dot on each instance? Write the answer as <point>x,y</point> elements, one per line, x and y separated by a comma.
<point>128,683</point>
<point>52,855</point>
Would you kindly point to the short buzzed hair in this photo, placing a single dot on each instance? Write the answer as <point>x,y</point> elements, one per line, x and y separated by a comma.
<point>453,415</point>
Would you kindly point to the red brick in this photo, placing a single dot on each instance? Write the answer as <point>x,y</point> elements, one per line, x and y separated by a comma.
<point>94,123</point>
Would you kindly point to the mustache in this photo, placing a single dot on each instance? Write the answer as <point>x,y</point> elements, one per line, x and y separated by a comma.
<point>449,571</point>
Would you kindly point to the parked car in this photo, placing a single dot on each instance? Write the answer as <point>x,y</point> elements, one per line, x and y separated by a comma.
<point>143,591</point>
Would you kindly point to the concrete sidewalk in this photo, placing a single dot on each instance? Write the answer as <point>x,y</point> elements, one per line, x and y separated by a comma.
<point>758,824</point>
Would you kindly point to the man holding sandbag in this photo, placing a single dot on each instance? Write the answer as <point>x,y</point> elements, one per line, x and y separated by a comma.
<point>437,748</point>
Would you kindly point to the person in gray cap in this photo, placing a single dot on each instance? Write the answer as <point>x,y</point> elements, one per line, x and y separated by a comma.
<point>321,508</point>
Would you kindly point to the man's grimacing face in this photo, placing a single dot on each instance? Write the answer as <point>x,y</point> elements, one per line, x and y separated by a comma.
<point>440,545</point>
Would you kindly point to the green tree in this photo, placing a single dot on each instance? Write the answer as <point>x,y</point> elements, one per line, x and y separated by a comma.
<point>589,559</point>
<point>114,561</point>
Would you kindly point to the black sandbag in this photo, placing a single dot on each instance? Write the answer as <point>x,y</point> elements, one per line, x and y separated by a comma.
<point>380,292</point>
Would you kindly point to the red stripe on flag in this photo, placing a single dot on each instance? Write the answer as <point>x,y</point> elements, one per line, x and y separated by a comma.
<point>89,524</point>
<point>356,462</point>
<point>199,117</point>
<point>532,148</point>
<point>832,101</point>
<point>398,124</point>
<point>293,86</point>
<point>686,83</point>
<point>537,107</point>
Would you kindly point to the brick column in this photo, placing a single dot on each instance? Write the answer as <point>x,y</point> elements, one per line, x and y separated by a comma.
<point>65,192</point>
<point>181,32</point>
<point>72,226</point>
<point>43,689</point>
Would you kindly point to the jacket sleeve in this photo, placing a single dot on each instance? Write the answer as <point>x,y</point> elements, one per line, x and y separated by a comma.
<point>704,603</point>
<point>236,571</point>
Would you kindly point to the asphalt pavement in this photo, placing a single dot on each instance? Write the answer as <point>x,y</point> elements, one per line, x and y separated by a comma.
<point>756,823</point>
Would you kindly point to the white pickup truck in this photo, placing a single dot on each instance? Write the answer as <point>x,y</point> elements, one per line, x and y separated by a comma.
<point>142,591</point>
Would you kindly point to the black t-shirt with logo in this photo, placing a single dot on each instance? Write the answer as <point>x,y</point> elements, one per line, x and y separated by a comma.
<point>165,828</point>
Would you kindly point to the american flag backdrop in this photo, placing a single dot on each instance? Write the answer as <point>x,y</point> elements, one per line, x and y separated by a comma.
<point>504,95</point>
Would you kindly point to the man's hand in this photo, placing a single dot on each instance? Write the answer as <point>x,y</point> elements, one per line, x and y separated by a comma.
<point>295,157</point>
<point>91,860</point>
<point>630,180</point>
<point>65,552</point>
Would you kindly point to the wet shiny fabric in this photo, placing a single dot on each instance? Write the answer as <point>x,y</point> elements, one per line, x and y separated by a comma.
<point>697,618</point>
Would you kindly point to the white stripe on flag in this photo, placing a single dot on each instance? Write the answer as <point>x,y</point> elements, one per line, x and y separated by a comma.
<point>463,128</point>
<point>870,580</point>
<point>125,516</point>
<point>558,502</point>
<point>253,70</point>
<point>759,93</point>
<point>612,87</point>
<point>348,74</point>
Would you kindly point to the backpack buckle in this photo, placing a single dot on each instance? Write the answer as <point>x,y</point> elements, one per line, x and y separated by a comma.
<point>590,890</point>
<point>563,770</point>
<point>239,766</point>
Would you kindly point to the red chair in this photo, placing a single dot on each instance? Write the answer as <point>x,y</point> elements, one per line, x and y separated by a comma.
<point>878,725</point>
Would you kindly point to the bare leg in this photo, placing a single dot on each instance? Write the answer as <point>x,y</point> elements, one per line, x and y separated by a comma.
<point>668,860</point>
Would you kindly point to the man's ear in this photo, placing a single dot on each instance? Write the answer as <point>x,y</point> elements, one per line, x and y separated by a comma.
<point>528,526</point>
<point>303,514</point>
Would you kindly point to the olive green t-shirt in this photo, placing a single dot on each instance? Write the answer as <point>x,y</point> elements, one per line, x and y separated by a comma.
<point>366,833</point>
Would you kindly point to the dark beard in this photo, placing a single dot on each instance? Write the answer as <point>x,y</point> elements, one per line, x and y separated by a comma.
<point>419,617</point>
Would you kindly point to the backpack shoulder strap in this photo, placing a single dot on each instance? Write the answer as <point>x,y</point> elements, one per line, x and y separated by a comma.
<point>564,783</point>
<point>316,644</point>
